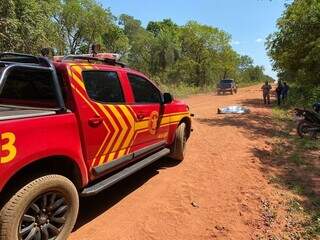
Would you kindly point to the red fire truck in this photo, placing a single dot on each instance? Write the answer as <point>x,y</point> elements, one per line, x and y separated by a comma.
<point>75,126</point>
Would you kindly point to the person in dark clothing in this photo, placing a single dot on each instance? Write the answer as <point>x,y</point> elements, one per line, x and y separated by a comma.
<point>285,91</point>
<point>279,92</point>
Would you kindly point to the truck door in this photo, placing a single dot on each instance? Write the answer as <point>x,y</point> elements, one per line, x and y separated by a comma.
<point>102,113</point>
<point>150,126</point>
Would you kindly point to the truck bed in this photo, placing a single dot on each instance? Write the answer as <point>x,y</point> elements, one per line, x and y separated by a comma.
<point>15,112</point>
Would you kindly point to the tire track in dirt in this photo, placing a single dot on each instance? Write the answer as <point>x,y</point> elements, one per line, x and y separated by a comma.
<point>216,193</point>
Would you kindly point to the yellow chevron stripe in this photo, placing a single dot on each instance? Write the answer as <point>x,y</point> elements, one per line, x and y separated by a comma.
<point>121,153</point>
<point>77,69</point>
<point>122,124</point>
<point>105,125</point>
<point>107,149</point>
<point>165,121</point>
<point>131,121</point>
<point>88,67</point>
<point>69,72</point>
<point>75,77</point>
<point>111,156</point>
<point>78,80</point>
<point>102,159</point>
<point>136,127</point>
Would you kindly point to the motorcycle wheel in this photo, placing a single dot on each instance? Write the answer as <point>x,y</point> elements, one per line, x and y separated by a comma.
<point>304,131</point>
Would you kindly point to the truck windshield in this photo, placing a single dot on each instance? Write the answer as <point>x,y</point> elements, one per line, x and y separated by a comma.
<point>226,81</point>
<point>29,88</point>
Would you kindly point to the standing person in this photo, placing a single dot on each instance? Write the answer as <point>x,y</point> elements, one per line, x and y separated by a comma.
<point>285,91</point>
<point>279,92</point>
<point>266,88</point>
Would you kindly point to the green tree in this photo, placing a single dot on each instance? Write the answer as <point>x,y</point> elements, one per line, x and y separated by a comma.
<point>295,47</point>
<point>140,41</point>
<point>202,45</point>
<point>131,26</point>
<point>8,26</point>
<point>157,27</point>
<point>115,41</point>
<point>166,45</point>
<point>193,54</point>
<point>245,62</point>
<point>25,26</point>
<point>81,23</point>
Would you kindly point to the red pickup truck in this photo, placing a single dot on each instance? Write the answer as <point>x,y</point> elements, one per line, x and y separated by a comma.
<point>75,126</point>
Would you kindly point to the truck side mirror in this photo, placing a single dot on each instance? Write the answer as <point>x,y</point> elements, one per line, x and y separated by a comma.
<point>167,98</point>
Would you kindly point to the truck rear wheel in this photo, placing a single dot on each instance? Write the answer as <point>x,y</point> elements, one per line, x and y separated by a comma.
<point>179,145</point>
<point>45,208</point>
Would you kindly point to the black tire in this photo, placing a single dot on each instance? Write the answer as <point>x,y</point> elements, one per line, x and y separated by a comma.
<point>303,131</point>
<point>231,92</point>
<point>179,145</point>
<point>49,204</point>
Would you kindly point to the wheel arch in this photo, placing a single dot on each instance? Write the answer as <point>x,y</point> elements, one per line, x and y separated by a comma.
<point>187,121</point>
<point>61,165</point>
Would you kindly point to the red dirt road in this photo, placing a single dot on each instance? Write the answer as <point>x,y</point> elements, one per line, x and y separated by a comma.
<point>218,192</point>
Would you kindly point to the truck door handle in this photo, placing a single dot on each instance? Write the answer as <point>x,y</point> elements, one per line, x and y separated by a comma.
<point>95,121</point>
<point>141,116</point>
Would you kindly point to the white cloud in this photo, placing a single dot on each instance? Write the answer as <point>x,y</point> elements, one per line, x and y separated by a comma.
<point>235,43</point>
<point>259,40</point>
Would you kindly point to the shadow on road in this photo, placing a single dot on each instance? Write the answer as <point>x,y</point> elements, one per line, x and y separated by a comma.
<point>288,162</point>
<point>256,123</point>
<point>92,207</point>
<point>256,103</point>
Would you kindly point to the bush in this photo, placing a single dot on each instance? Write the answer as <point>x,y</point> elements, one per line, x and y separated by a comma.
<point>303,96</point>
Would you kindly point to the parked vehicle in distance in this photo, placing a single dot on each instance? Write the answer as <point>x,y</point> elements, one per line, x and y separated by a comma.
<point>75,125</point>
<point>227,85</point>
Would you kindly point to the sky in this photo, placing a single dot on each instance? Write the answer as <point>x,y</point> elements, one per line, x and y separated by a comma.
<point>248,21</point>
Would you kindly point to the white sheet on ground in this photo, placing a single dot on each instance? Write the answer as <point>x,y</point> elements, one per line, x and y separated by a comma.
<point>233,110</point>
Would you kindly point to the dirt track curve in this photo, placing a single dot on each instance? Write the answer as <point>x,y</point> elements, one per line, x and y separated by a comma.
<point>216,193</point>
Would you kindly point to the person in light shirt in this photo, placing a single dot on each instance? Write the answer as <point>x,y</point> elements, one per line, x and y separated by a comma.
<point>266,89</point>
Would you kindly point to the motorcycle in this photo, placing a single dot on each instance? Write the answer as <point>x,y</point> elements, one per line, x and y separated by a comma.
<point>309,122</point>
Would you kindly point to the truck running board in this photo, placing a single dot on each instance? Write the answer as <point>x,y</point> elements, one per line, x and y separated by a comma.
<point>106,183</point>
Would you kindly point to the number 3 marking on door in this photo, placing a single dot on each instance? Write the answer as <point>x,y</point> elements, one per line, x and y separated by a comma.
<point>9,147</point>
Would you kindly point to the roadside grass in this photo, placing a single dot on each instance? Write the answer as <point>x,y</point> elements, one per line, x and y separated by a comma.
<point>297,170</point>
<point>248,84</point>
<point>183,90</point>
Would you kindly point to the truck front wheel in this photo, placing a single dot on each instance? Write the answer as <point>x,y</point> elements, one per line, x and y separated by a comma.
<point>179,144</point>
<point>45,208</point>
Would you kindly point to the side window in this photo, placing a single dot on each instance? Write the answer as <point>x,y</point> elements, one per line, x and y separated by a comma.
<point>103,87</point>
<point>143,90</point>
<point>30,88</point>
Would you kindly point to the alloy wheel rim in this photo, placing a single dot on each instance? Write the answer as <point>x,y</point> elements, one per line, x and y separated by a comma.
<point>44,218</point>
